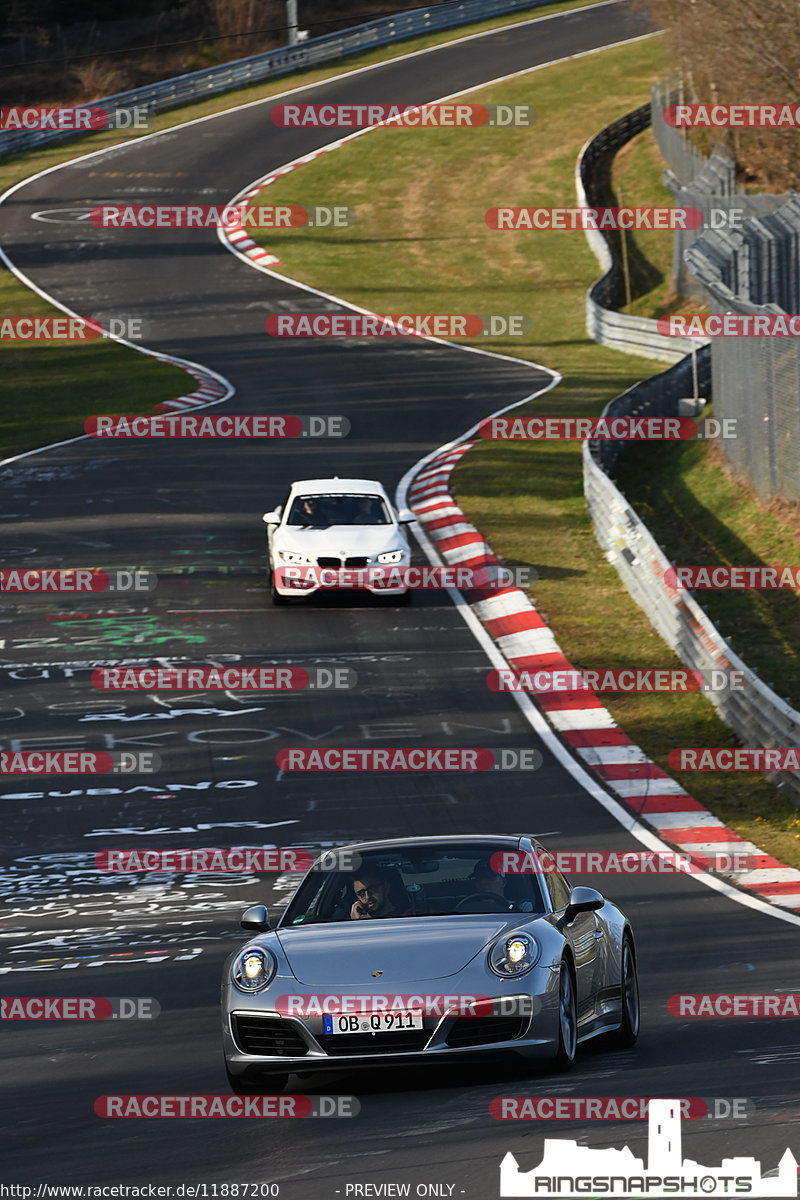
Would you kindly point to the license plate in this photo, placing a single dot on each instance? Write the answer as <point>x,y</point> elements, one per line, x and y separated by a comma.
<point>372,1022</point>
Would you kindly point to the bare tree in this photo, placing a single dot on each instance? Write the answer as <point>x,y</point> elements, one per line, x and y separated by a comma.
<point>740,52</point>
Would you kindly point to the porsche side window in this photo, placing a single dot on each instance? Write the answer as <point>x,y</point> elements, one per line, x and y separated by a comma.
<point>557,885</point>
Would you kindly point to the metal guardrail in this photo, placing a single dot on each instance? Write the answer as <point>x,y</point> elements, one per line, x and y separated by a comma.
<point>686,161</point>
<point>604,324</point>
<point>756,714</point>
<point>757,380</point>
<point>212,81</point>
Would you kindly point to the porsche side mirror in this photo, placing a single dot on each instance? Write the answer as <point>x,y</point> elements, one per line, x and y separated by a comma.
<point>271,518</point>
<point>582,899</point>
<point>256,919</point>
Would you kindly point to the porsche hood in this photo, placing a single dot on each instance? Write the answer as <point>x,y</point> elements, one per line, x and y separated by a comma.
<point>348,953</point>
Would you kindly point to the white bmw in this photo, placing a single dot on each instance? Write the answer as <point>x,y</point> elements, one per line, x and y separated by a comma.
<point>331,533</point>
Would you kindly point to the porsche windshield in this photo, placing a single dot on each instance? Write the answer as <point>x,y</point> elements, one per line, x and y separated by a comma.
<point>320,511</point>
<point>431,882</point>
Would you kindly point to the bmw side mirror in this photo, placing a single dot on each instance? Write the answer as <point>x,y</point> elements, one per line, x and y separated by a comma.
<point>256,919</point>
<point>271,518</point>
<point>405,516</point>
<point>582,899</point>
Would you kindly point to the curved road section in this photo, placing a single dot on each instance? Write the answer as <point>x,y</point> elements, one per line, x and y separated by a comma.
<point>190,511</point>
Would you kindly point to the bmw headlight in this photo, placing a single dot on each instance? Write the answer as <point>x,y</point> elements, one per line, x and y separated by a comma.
<point>391,556</point>
<point>290,556</point>
<point>513,955</point>
<point>253,969</point>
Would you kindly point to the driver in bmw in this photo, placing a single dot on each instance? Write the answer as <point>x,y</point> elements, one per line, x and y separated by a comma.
<point>372,898</point>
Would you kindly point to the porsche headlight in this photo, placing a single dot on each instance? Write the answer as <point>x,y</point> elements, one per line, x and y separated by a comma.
<point>253,969</point>
<point>391,556</point>
<point>290,556</point>
<point>513,955</point>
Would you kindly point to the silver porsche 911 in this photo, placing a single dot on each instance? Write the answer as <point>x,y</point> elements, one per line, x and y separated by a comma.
<point>427,950</point>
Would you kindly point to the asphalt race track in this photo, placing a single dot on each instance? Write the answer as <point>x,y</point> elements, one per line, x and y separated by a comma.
<point>191,513</point>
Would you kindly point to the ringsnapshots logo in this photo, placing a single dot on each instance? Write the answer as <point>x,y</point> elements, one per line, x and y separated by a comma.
<point>79,1008</point>
<point>397,325</point>
<point>76,579</point>
<point>21,118</point>
<point>418,759</point>
<point>403,116</point>
<point>225,426</point>
<point>79,762</point>
<point>569,1169</point>
<point>228,216</point>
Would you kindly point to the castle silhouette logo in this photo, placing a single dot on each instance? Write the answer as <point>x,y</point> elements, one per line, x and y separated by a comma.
<point>569,1170</point>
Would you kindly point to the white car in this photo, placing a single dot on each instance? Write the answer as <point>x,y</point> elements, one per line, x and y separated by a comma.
<point>328,533</point>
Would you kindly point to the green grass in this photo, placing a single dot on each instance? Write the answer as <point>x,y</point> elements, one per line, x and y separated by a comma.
<point>52,387</point>
<point>420,244</point>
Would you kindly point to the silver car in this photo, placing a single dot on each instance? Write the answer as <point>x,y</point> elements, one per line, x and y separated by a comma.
<point>427,950</point>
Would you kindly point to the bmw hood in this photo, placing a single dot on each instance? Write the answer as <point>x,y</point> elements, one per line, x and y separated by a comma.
<point>408,950</point>
<point>347,540</point>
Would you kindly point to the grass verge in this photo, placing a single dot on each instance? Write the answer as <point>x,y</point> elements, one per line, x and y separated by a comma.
<point>420,244</point>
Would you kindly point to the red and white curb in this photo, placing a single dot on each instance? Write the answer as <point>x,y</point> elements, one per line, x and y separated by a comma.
<point>212,388</point>
<point>578,717</point>
<point>233,234</point>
